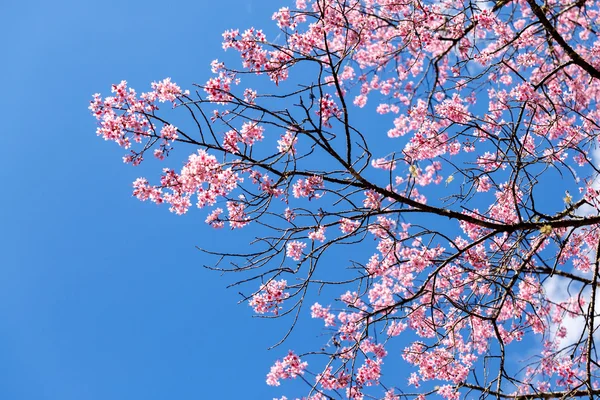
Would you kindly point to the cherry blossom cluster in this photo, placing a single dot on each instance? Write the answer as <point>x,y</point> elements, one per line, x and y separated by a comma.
<point>308,187</point>
<point>202,176</point>
<point>249,134</point>
<point>269,297</point>
<point>290,367</point>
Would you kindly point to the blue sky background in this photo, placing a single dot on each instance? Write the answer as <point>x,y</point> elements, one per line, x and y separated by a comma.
<point>101,296</point>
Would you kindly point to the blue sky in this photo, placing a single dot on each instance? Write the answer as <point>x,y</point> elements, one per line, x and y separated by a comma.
<point>101,296</point>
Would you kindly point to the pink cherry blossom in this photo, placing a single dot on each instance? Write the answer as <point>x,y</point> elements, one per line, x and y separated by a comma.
<point>269,297</point>
<point>317,234</point>
<point>295,249</point>
<point>287,143</point>
<point>214,220</point>
<point>290,367</point>
<point>167,90</point>
<point>308,187</point>
<point>348,226</point>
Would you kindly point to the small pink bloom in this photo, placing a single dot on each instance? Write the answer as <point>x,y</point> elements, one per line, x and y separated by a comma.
<point>348,226</point>
<point>288,368</point>
<point>295,249</point>
<point>318,234</point>
<point>269,297</point>
<point>213,218</point>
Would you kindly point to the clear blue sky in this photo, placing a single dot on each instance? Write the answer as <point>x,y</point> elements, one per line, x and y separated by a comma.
<point>103,297</point>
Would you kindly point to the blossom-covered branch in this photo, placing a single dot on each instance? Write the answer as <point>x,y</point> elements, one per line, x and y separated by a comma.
<point>411,163</point>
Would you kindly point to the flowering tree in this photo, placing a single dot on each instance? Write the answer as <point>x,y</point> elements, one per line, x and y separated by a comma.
<point>406,161</point>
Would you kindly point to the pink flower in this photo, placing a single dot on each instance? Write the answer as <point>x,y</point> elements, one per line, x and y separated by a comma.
<point>168,132</point>
<point>384,164</point>
<point>454,110</point>
<point>230,142</point>
<point>372,200</point>
<point>383,228</point>
<point>287,143</point>
<point>369,373</point>
<point>237,214</point>
<point>328,109</point>
<point>295,249</point>
<point>249,96</point>
<point>317,234</point>
<point>289,214</point>
<point>348,226</point>
<point>288,368</point>
<point>318,311</point>
<point>218,88</point>
<point>143,191</point>
<point>283,17</point>
<point>167,90</point>
<point>360,100</point>
<point>251,132</point>
<point>484,184</point>
<point>448,392</point>
<point>328,381</point>
<point>396,328</point>
<point>308,187</point>
<point>269,297</point>
<point>213,218</point>
<point>486,19</point>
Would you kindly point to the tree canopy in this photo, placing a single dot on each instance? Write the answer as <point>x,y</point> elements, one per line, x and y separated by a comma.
<point>419,175</point>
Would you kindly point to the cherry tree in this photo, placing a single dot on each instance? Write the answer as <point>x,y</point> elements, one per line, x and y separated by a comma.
<point>419,175</point>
